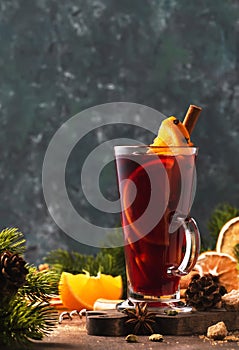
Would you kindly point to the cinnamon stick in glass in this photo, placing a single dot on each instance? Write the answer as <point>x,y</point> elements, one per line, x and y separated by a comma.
<point>191,117</point>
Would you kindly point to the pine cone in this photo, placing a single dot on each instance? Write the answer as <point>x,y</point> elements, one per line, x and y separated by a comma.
<point>12,273</point>
<point>204,292</point>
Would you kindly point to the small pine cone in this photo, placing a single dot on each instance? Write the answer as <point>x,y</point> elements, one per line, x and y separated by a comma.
<point>204,293</point>
<point>12,273</point>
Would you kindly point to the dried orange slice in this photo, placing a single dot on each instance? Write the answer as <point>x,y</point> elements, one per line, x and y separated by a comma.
<point>82,290</point>
<point>228,237</point>
<point>219,264</point>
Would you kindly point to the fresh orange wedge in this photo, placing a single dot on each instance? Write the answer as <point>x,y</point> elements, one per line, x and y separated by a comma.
<point>219,264</point>
<point>228,237</point>
<point>82,290</point>
<point>172,133</point>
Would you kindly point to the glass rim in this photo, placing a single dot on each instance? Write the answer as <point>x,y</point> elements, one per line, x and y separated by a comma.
<point>152,146</point>
<point>175,150</point>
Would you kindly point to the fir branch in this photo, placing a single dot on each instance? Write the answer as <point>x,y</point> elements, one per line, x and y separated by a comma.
<point>13,240</point>
<point>40,285</point>
<point>22,322</point>
<point>221,214</point>
<point>62,260</point>
<point>25,315</point>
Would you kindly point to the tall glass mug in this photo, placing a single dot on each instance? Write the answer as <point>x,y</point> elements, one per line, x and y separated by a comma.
<point>162,242</point>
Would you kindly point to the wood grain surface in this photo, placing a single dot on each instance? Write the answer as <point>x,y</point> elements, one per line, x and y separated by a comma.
<point>113,323</point>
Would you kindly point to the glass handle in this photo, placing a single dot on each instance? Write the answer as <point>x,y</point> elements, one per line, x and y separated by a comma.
<point>192,248</point>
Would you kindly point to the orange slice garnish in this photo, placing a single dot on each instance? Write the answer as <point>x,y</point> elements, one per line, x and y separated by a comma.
<point>172,133</point>
<point>82,290</point>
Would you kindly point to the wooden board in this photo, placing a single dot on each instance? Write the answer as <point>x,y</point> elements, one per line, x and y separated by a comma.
<point>113,323</point>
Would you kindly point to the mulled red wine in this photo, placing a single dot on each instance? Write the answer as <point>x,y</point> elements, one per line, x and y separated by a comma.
<point>154,189</point>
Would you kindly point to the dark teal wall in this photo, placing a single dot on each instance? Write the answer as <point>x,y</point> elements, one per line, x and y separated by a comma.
<point>59,57</point>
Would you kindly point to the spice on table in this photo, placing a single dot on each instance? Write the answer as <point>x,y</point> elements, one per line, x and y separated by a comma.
<point>156,337</point>
<point>141,319</point>
<point>131,338</point>
<point>171,312</point>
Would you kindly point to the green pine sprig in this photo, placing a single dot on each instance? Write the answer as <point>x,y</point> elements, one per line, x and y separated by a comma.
<point>26,315</point>
<point>220,215</point>
<point>13,240</point>
<point>40,285</point>
<point>70,261</point>
<point>22,322</point>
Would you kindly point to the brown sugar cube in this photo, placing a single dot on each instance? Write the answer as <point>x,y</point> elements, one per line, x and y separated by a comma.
<point>231,300</point>
<point>217,331</point>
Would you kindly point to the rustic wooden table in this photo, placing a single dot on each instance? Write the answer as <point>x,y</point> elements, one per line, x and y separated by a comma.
<point>72,335</point>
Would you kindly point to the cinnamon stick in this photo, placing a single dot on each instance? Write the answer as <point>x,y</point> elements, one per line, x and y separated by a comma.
<point>191,117</point>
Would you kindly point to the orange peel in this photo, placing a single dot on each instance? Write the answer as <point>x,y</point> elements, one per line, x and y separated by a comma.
<point>82,290</point>
<point>172,133</point>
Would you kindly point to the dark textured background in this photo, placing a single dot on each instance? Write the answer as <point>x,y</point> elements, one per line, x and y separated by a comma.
<point>61,57</point>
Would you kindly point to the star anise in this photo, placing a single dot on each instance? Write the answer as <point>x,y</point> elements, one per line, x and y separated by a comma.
<point>141,319</point>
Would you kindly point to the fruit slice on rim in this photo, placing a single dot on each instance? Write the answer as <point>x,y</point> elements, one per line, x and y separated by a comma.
<point>172,133</point>
<point>228,237</point>
<point>82,290</point>
<point>221,265</point>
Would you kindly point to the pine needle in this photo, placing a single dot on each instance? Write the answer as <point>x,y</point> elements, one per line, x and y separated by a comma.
<point>13,240</point>
<point>40,285</point>
<point>26,315</point>
<point>220,215</point>
<point>22,322</point>
<point>62,260</point>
